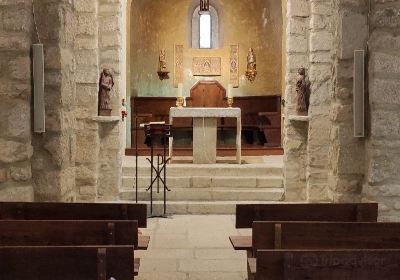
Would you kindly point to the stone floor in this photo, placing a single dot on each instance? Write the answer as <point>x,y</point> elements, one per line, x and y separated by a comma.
<point>192,247</point>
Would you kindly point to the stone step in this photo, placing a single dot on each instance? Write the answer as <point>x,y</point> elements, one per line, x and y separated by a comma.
<point>197,207</point>
<point>210,182</point>
<point>208,194</point>
<point>245,170</point>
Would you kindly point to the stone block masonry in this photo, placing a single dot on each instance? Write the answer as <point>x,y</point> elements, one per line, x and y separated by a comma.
<point>54,151</point>
<point>320,42</point>
<point>347,154</point>
<point>64,163</point>
<point>382,181</point>
<point>98,45</point>
<point>295,140</point>
<point>15,93</point>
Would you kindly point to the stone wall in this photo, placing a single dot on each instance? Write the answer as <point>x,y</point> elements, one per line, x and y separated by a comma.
<point>320,75</point>
<point>295,132</point>
<point>323,160</point>
<point>97,46</point>
<point>347,154</point>
<point>15,95</point>
<point>53,161</point>
<point>382,182</point>
<point>310,35</point>
<point>79,155</point>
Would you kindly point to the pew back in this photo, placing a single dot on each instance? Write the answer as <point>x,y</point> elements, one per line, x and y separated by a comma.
<point>66,263</point>
<point>345,212</point>
<point>325,235</point>
<point>328,265</point>
<point>73,211</point>
<point>68,233</point>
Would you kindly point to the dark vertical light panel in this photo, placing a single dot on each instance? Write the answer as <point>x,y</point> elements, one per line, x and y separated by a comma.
<point>358,93</point>
<point>39,116</point>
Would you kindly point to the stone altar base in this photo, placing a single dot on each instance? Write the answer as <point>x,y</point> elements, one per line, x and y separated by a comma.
<point>204,140</point>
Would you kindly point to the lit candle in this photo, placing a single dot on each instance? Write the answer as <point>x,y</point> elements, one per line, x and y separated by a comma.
<point>230,89</point>
<point>180,90</point>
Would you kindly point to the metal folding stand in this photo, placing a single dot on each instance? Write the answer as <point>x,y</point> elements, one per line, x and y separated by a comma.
<point>159,170</point>
<point>136,118</point>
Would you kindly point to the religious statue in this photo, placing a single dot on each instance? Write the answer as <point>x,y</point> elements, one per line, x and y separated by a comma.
<point>251,60</point>
<point>251,72</point>
<point>106,84</point>
<point>204,5</point>
<point>162,68</point>
<point>301,89</point>
<point>163,61</point>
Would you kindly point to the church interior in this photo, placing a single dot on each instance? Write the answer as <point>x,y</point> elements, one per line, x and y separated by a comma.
<point>199,139</point>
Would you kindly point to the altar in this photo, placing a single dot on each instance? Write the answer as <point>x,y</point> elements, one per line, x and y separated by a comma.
<point>205,131</point>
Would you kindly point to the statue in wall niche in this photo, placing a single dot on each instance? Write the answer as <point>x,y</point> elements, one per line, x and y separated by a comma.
<point>251,72</point>
<point>301,89</point>
<point>106,84</point>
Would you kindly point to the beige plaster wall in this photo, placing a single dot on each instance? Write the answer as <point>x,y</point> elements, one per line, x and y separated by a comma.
<point>160,24</point>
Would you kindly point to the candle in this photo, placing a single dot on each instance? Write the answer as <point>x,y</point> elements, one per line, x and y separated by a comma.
<point>230,89</point>
<point>180,90</point>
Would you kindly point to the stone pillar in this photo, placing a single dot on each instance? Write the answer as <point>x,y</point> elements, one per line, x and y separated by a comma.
<point>320,56</point>
<point>87,79</point>
<point>15,95</point>
<point>98,46</point>
<point>54,151</point>
<point>111,134</point>
<point>347,154</point>
<point>383,144</point>
<point>295,133</point>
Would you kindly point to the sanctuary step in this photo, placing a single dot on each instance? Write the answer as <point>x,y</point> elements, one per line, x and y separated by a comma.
<point>208,189</point>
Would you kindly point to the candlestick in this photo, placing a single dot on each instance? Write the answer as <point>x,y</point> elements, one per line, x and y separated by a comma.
<point>180,90</point>
<point>230,89</point>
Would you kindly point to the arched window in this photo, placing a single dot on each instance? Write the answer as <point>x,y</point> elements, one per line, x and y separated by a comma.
<point>205,29</point>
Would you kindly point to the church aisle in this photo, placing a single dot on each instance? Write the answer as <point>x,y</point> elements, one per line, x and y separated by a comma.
<point>192,247</point>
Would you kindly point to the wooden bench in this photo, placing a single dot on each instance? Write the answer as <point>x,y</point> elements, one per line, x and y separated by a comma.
<point>328,265</point>
<point>77,211</point>
<point>323,236</point>
<point>73,211</point>
<point>246,214</point>
<point>68,233</point>
<point>66,263</point>
<point>71,233</point>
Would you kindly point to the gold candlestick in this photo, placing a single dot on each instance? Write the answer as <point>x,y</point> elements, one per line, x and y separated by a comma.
<point>179,101</point>
<point>230,102</point>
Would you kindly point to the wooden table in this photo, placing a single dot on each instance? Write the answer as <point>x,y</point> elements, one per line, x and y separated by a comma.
<point>205,131</point>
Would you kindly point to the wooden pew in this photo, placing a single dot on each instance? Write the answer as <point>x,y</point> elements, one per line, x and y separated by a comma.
<point>322,236</point>
<point>325,235</point>
<point>73,211</point>
<point>328,264</point>
<point>71,233</point>
<point>77,211</point>
<point>68,233</point>
<point>66,263</point>
<point>246,214</point>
